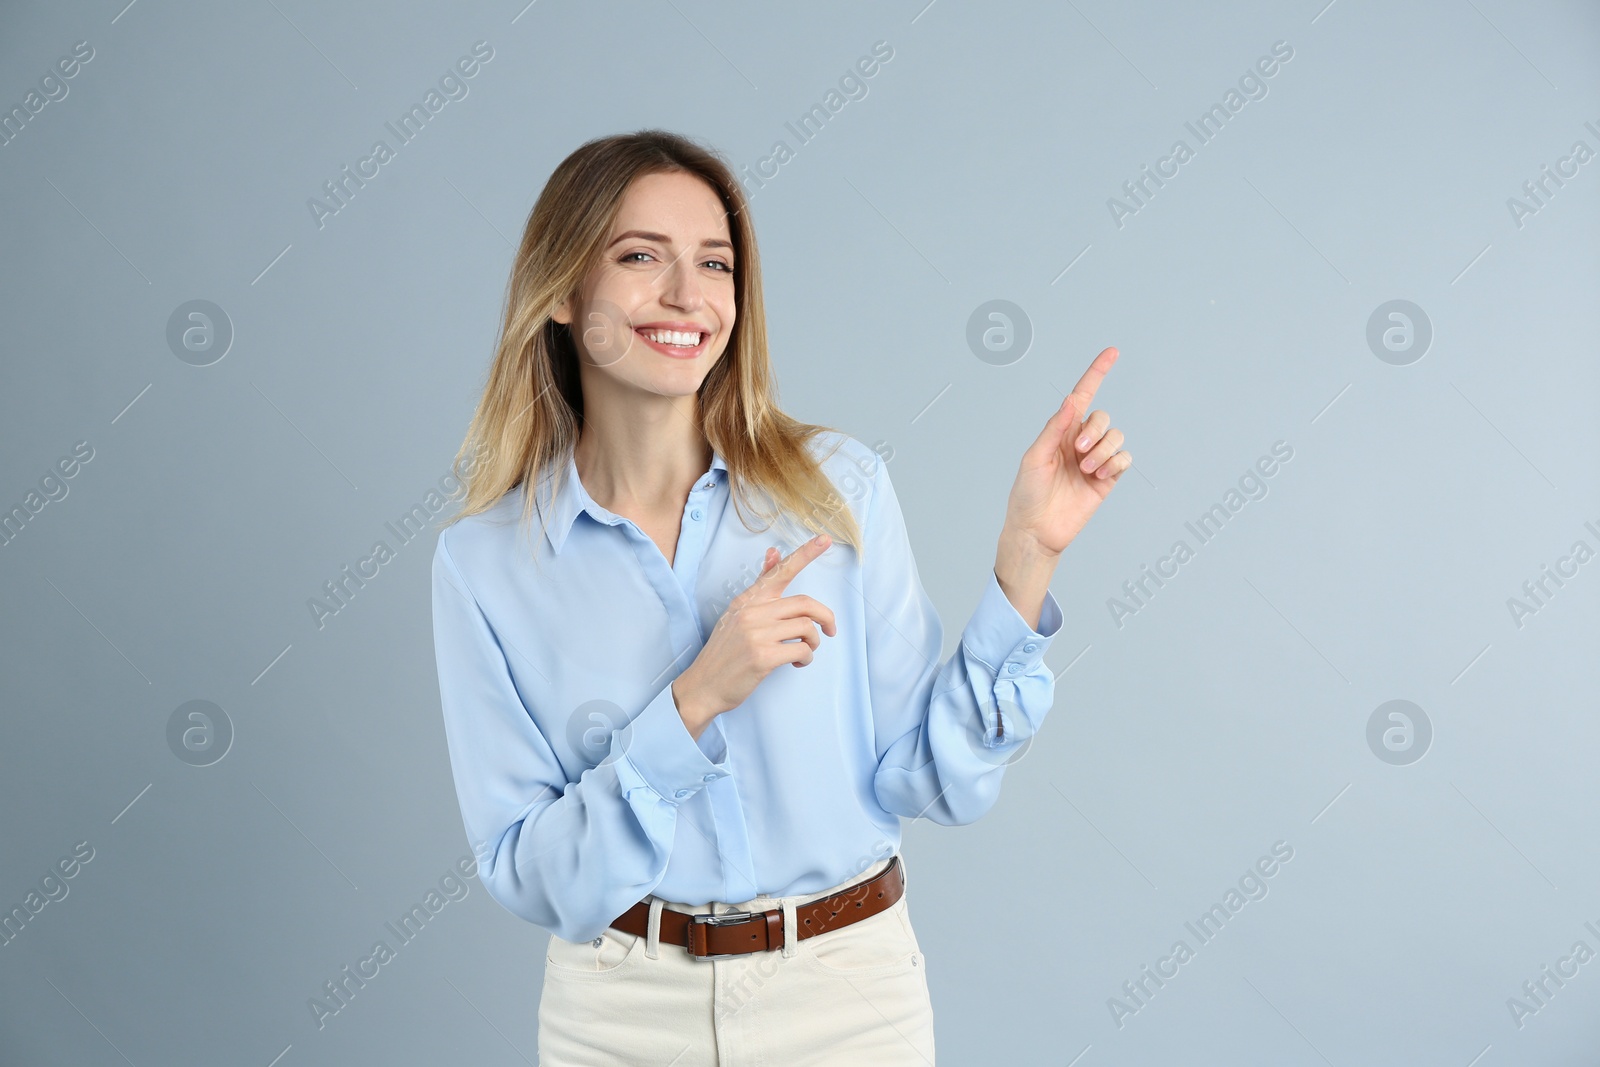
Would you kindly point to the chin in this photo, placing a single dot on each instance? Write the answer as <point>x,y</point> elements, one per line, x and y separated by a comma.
<point>680,386</point>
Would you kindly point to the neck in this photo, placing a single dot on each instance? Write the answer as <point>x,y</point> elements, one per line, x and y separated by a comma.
<point>644,454</point>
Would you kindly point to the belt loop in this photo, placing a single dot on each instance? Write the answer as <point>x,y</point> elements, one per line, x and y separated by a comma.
<point>791,935</point>
<point>652,944</point>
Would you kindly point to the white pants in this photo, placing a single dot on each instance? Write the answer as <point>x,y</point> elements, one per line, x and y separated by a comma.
<point>857,994</point>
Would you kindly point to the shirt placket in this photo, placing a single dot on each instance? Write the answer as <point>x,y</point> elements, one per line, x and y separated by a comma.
<point>676,588</point>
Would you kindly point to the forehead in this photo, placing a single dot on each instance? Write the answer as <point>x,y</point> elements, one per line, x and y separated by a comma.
<point>678,205</point>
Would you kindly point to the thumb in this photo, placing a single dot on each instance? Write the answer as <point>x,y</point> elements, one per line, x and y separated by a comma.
<point>768,561</point>
<point>1063,422</point>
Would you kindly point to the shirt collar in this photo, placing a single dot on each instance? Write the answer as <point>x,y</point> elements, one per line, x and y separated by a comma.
<point>573,499</point>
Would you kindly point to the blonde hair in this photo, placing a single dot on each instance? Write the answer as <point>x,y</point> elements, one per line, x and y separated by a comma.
<point>531,410</point>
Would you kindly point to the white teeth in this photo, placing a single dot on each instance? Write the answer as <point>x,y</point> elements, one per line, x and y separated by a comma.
<point>678,338</point>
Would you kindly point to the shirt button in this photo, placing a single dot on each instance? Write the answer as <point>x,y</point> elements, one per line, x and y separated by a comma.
<point>1013,668</point>
<point>710,778</point>
<point>696,514</point>
<point>1030,647</point>
<point>680,794</point>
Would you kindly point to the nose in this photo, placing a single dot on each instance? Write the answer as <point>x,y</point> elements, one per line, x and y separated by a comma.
<point>680,285</point>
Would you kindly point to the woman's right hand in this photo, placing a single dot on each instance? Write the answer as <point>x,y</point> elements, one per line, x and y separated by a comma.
<point>761,629</point>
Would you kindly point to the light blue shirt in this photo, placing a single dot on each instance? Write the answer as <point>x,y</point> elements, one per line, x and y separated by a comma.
<point>581,789</point>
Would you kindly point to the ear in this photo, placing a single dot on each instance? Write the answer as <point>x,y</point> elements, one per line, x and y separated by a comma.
<point>563,313</point>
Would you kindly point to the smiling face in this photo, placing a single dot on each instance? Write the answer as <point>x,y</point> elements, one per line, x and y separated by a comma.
<point>657,310</point>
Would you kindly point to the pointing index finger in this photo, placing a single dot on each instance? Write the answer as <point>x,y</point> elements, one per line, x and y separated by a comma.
<point>777,579</point>
<point>1083,392</point>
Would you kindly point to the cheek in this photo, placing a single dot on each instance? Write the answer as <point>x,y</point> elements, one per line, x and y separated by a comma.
<point>630,290</point>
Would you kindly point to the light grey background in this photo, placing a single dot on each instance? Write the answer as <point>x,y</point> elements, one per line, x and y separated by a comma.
<point>1228,714</point>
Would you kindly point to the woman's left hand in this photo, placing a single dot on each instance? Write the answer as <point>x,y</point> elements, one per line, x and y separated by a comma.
<point>1061,482</point>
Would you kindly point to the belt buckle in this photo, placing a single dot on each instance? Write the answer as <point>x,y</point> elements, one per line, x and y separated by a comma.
<point>732,918</point>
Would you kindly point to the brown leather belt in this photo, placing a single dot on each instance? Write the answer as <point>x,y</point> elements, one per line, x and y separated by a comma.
<point>715,937</point>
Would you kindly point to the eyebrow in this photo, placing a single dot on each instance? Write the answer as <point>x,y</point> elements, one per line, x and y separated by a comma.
<point>661,238</point>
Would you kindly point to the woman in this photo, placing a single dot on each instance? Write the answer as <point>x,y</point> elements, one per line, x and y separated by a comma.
<point>710,834</point>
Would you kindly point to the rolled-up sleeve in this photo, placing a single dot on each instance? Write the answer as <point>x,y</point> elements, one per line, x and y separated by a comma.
<point>569,856</point>
<point>945,731</point>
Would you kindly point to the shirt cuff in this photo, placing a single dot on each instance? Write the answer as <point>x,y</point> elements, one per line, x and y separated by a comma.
<point>655,750</point>
<point>998,636</point>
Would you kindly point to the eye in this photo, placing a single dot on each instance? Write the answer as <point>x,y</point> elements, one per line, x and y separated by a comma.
<point>723,268</point>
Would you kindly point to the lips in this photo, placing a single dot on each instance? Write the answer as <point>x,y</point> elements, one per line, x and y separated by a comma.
<point>675,351</point>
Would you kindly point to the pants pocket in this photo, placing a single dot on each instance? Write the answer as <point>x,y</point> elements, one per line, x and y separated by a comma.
<point>612,953</point>
<point>878,946</point>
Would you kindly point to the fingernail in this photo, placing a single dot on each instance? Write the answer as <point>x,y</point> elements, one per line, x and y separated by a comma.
<point>1083,442</point>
